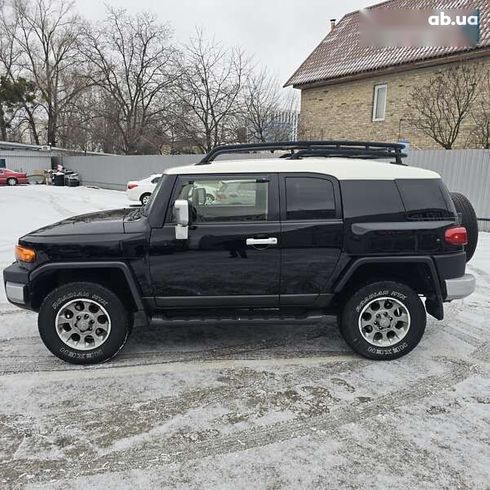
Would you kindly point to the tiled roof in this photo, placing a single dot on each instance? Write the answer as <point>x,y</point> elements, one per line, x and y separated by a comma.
<point>341,54</point>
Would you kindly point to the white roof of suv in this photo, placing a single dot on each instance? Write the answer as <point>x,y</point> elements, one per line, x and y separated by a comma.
<point>340,168</point>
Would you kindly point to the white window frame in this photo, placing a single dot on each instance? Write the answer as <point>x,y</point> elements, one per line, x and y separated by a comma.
<point>375,101</point>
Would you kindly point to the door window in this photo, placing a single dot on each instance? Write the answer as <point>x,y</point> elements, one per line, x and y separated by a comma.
<point>309,198</point>
<point>226,199</point>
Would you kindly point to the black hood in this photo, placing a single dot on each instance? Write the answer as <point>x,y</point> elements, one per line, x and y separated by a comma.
<point>101,222</point>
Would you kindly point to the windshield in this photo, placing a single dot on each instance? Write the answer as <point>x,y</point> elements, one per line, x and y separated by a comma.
<point>147,207</point>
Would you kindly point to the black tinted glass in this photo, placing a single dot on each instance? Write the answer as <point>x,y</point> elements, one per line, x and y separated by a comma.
<point>422,194</point>
<point>309,198</point>
<point>370,197</point>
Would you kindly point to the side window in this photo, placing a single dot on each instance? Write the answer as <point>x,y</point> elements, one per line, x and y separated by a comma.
<point>309,198</point>
<point>226,199</point>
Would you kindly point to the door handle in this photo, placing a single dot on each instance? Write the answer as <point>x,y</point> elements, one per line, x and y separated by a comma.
<point>262,241</point>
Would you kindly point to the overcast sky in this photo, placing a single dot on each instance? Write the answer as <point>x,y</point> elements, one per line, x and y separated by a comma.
<point>279,33</point>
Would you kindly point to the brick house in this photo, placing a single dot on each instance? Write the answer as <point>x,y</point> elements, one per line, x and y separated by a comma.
<point>351,91</point>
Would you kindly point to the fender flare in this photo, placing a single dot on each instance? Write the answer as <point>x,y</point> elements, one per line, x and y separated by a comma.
<point>434,305</point>
<point>133,287</point>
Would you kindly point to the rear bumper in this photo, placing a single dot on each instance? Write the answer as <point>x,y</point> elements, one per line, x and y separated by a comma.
<point>460,287</point>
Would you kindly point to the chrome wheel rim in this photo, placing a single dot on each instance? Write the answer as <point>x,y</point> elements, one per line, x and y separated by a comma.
<point>384,322</point>
<point>145,200</point>
<point>83,324</point>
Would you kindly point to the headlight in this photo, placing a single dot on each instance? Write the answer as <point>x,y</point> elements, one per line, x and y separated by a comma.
<point>25,254</point>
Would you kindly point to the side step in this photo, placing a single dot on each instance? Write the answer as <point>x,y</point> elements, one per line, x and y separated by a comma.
<point>237,318</point>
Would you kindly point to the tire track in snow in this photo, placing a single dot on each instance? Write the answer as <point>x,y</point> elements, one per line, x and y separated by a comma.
<point>152,451</point>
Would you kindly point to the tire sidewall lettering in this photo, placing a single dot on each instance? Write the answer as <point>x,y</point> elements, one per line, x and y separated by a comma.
<point>78,294</point>
<point>379,294</point>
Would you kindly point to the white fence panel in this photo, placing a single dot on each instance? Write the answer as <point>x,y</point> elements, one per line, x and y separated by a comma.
<point>465,171</point>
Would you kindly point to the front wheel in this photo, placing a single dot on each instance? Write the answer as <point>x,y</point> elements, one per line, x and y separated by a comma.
<point>83,323</point>
<point>384,320</point>
<point>11,181</point>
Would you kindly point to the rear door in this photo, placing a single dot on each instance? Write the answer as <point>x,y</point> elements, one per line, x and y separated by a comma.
<point>231,257</point>
<point>311,239</point>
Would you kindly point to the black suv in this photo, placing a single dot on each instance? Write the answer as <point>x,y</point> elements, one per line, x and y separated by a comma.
<point>324,229</point>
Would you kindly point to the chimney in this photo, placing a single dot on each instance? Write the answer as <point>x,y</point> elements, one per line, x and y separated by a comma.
<point>332,23</point>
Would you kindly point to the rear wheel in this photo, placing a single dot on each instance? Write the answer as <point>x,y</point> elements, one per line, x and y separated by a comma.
<point>145,198</point>
<point>469,221</point>
<point>384,320</point>
<point>83,323</point>
<point>11,181</point>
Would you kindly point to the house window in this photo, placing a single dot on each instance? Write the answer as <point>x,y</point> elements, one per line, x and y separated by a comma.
<point>2,162</point>
<point>379,105</point>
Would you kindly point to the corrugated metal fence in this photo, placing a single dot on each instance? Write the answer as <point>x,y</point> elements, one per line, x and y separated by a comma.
<point>465,171</point>
<point>113,172</point>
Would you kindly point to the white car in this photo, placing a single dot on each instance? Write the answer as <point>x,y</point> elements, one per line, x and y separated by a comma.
<point>141,190</point>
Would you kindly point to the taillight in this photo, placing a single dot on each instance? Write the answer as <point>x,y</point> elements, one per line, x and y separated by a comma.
<point>132,186</point>
<point>456,236</point>
<point>25,254</point>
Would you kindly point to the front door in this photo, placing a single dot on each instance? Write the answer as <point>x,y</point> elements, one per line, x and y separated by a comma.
<point>231,257</point>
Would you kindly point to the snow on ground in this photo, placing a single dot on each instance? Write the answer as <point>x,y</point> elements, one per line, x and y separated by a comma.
<point>277,406</point>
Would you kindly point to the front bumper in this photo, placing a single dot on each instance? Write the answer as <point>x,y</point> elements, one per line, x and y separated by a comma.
<point>16,281</point>
<point>460,287</point>
<point>16,292</point>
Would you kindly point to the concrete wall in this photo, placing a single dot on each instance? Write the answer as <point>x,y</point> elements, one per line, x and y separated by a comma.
<point>344,110</point>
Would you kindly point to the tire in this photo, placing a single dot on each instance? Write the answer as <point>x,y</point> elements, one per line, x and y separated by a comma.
<point>469,221</point>
<point>12,181</point>
<point>145,198</point>
<point>98,302</point>
<point>393,298</point>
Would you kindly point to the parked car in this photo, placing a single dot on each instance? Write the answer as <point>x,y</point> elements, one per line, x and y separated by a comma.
<point>141,190</point>
<point>11,177</point>
<point>324,230</point>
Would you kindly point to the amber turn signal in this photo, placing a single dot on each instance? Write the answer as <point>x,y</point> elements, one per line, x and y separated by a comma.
<point>25,254</point>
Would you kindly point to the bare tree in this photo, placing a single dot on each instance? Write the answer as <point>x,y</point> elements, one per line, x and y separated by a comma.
<point>268,115</point>
<point>208,93</point>
<point>46,33</point>
<point>264,108</point>
<point>440,107</point>
<point>13,74</point>
<point>134,63</point>
<point>481,114</point>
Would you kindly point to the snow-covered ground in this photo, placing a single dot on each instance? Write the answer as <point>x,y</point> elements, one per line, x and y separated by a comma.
<point>240,407</point>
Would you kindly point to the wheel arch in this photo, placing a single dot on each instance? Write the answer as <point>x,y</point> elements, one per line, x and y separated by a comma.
<point>419,273</point>
<point>116,276</point>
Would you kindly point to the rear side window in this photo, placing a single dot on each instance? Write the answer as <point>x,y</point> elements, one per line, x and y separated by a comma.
<point>309,198</point>
<point>370,197</point>
<point>425,198</point>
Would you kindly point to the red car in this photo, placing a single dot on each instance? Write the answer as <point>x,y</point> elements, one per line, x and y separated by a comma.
<point>9,177</point>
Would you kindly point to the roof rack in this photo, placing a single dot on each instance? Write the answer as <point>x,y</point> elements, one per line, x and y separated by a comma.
<point>302,149</point>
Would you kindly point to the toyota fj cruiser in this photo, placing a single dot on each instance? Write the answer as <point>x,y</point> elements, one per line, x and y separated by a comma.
<point>325,229</point>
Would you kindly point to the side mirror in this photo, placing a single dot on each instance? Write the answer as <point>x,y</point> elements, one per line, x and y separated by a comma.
<point>181,214</point>
<point>199,196</point>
